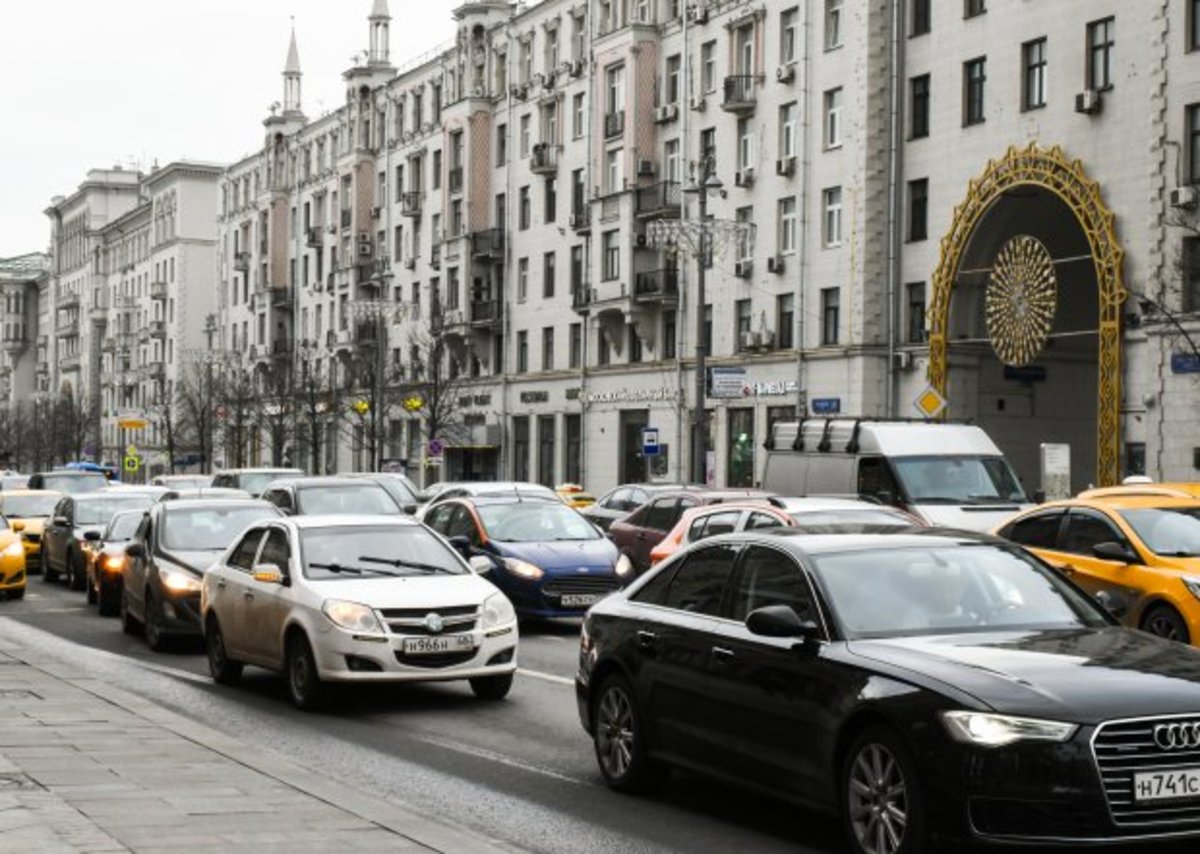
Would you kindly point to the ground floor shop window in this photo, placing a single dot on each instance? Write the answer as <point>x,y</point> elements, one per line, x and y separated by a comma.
<point>740,463</point>
<point>546,450</point>
<point>521,448</point>
<point>572,461</point>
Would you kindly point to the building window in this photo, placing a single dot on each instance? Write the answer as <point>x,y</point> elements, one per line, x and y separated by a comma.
<point>787,225</point>
<point>672,81</point>
<point>1101,36</point>
<point>787,130</point>
<point>916,312</point>
<point>501,145</point>
<point>920,17</point>
<point>548,264</point>
<point>671,170</point>
<point>745,149</point>
<point>635,344</point>
<point>603,353</point>
<point>522,351</point>
<point>918,88</point>
<point>521,448</point>
<point>708,143</point>
<point>522,279</point>
<point>1193,25</point>
<point>612,171</point>
<point>573,458</point>
<point>785,321</point>
<point>1033,87</point>
<point>830,299</point>
<point>833,24</point>
<point>523,140</point>
<point>741,324</point>
<point>1193,143</point>
<point>524,208</point>
<point>577,116</point>
<point>612,255</point>
<point>708,66</point>
<point>833,118</point>
<point>575,345</point>
<point>971,8</point>
<point>436,177</point>
<point>670,321</point>
<point>548,348</point>
<point>789,34</point>
<point>614,90</point>
<point>1190,264</point>
<point>918,209</point>
<point>551,200</point>
<point>974,77</point>
<point>831,202</point>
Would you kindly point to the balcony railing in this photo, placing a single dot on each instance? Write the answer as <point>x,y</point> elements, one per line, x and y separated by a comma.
<point>661,199</point>
<point>241,262</point>
<point>545,158</point>
<point>282,297</point>
<point>410,203</point>
<point>614,125</point>
<point>486,312</point>
<point>582,297</point>
<point>158,290</point>
<point>581,218</point>
<point>488,243</point>
<point>741,93</point>
<point>346,218</point>
<point>69,299</point>
<point>657,285</point>
<point>158,328</point>
<point>69,330</point>
<point>314,238</point>
<point>69,362</point>
<point>281,348</point>
<point>455,179</point>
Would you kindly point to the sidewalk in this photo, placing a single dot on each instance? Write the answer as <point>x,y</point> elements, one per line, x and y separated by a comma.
<point>85,767</point>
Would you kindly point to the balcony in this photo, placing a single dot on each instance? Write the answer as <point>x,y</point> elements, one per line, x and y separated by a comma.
<point>544,160</point>
<point>241,262</point>
<point>69,329</point>
<point>158,290</point>
<point>657,286</point>
<point>455,179</point>
<point>68,300</point>
<point>69,363</point>
<point>15,342</point>
<point>281,349</point>
<point>313,238</point>
<point>741,93</point>
<point>282,298</point>
<point>435,256</point>
<point>581,219</point>
<point>488,243</point>
<point>346,218</point>
<point>582,297</point>
<point>659,200</point>
<point>158,329</point>
<point>614,125</point>
<point>108,345</point>
<point>410,203</point>
<point>153,370</point>
<point>366,333</point>
<point>486,314</point>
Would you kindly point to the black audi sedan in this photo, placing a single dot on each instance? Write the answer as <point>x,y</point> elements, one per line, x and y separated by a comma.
<point>926,685</point>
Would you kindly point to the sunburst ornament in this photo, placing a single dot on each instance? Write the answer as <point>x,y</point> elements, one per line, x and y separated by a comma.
<point>1022,296</point>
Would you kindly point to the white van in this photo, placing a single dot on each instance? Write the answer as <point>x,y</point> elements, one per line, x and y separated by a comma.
<point>949,475</point>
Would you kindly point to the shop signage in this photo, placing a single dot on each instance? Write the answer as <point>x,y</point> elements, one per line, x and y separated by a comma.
<point>727,382</point>
<point>630,395</point>
<point>1185,363</point>
<point>475,400</point>
<point>774,389</point>
<point>573,393</point>
<point>1056,470</point>
<point>535,397</point>
<point>1025,373</point>
<point>826,405</point>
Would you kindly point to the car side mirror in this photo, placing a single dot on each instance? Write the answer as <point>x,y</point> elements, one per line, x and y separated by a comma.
<point>1115,552</point>
<point>461,544</point>
<point>268,573</point>
<point>137,550</point>
<point>410,509</point>
<point>780,621</point>
<point>481,564</point>
<point>92,536</point>
<point>18,527</point>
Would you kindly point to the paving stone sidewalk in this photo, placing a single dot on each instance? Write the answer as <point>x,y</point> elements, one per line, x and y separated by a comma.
<point>85,767</point>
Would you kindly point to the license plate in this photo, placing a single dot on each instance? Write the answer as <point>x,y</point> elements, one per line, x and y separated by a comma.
<point>432,646</point>
<point>1167,785</point>
<point>580,600</point>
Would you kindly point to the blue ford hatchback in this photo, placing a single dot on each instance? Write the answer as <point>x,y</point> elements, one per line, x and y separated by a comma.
<point>548,559</point>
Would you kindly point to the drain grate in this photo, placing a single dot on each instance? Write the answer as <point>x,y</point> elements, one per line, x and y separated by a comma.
<point>18,782</point>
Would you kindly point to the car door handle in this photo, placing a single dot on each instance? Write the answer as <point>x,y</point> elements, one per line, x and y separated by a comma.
<point>248,595</point>
<point>722,655</point>
<point>646,640</point>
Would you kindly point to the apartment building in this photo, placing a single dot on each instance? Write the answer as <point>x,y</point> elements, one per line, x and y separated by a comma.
<point>23,283</point>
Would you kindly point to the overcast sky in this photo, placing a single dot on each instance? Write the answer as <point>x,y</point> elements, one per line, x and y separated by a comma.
<point>93,83</point>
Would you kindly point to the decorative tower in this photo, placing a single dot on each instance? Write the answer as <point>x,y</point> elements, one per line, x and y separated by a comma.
<point>380,22</point>
<point>291,79</point>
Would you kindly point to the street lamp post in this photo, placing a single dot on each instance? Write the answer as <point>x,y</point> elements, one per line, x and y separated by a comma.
<point>382,312</point>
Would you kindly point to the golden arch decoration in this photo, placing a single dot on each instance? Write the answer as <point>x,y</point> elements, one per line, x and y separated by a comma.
<point>1048,169</point>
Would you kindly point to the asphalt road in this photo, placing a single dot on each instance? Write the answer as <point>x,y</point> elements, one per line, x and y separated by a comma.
<point>521,771</point>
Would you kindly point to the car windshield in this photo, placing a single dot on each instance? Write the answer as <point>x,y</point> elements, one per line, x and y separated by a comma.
<point>74,483</point>
<point>880,593</point>
<point>28,506</point>
<point>364,498</point>
<point>535,523</point>
<point>360,551</point>
<point>957,480</point>
<point>201,529</point>
<point>399,489</point>
<point>123,526</point>
<point>866,520</point>
<point>1167,531</point>
<point>94,512</point>
<point>255,482</point>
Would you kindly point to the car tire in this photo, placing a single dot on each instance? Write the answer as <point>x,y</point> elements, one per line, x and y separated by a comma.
<point>492,687</point>
<point>76,573</point>
<point>882,804</point>
<point>619,738</point>
<point>108,600</point>
<point>300,675</point>
<point>129,623</point>
<point>152,627</point>
<point>223,669</point>
<point>49,574</point>
<point>17,594</point>
<point>1165,622</point>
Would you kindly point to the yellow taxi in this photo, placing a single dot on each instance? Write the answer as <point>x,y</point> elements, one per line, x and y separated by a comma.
<point>27,511</point>
<point>12,562</point>
<point>1137,551</point>
<point>572,495</point>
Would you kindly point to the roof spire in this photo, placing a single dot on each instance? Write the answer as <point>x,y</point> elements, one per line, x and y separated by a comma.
<point>291,76</point>
<point>293,56</point>
<point>380,9</point>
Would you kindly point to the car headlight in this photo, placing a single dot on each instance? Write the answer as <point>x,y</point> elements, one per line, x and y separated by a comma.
<point>523,568</point>
<point>624,566</point>
<point>1192,584</point>
<point>497,611</point>
<point>351,616</point>
<point>112,563</point>
<point>988,730</point>
<point>14,549</point>
<point>178,581</point>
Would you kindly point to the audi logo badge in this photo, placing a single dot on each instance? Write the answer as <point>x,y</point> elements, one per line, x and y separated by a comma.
<point>1184,736</point>
<point>434,623</point>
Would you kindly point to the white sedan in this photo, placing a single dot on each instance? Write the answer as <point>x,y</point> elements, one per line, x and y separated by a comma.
<point>326,599</point>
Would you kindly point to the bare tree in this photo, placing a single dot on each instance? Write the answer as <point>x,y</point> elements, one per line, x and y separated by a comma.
<point>74,415</point>
<point>437,381</point>
<point>274,414</point>
<point>198,399</point>
<point>315,396</point>
<point>240,402</point>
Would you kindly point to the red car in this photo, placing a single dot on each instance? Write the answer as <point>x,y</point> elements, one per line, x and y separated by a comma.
<point>640,531</point>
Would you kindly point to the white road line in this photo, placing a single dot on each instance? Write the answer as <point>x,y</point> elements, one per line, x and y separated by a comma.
<point>546,677</point>
<point>493,756</point>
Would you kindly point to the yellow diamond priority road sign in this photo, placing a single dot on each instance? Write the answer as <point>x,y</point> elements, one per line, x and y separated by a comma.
<point>930,402</point>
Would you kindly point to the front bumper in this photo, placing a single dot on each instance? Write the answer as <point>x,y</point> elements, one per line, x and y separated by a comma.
<point>346,657</point>
<point>544,598</point>
<point>180,614</point>
<point>33,556</point>
<point>12,578</point>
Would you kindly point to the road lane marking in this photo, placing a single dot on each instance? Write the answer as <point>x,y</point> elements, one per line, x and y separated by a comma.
<point>546,677</point>
<point>493,756</point>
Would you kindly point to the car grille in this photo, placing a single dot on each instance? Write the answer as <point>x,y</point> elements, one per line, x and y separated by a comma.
<point>582,585</point>
<point>1126,748</point>
<point>411,621</point>
<point>446,659</point>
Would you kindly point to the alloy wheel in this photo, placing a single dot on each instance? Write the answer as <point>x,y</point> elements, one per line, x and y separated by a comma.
<point>1166,623</point>
<point>615,732</point>
<point>878,800</point>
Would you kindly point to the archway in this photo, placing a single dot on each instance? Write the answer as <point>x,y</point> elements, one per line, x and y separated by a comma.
<point>1037,189</point>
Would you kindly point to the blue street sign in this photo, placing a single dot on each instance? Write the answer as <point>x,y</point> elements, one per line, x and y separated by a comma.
<point>650,441</point>
<point>826,405</point>
<point>1185,363</point>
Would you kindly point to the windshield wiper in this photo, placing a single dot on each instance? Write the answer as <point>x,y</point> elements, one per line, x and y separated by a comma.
<point>407,564</point>
<point>356,570</point>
